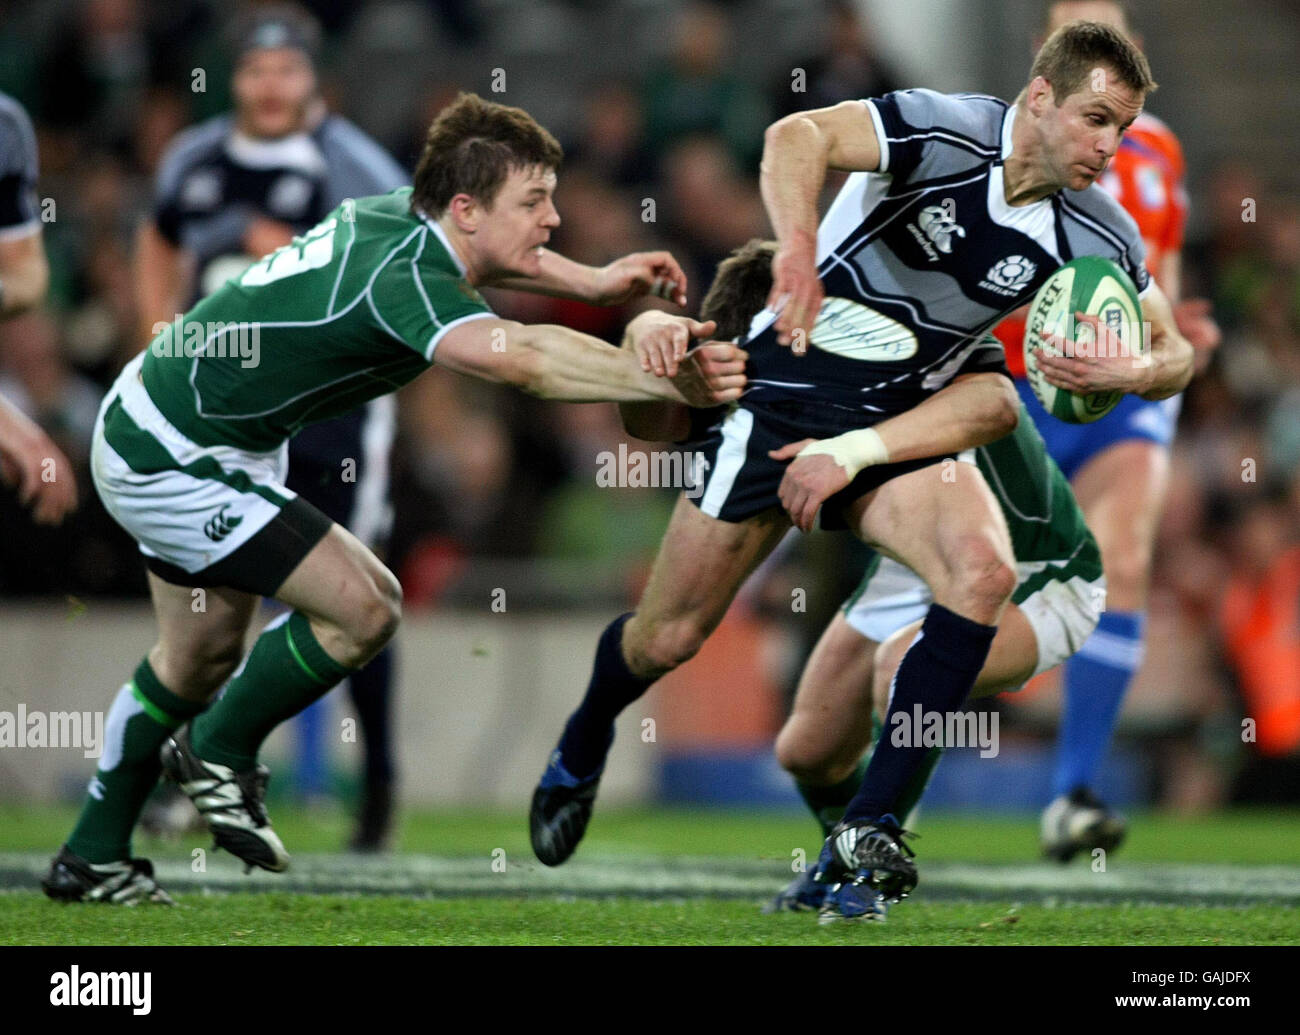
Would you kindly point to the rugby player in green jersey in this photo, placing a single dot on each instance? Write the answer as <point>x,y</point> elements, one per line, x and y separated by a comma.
<point>190,451</point>
<point>844,690</point>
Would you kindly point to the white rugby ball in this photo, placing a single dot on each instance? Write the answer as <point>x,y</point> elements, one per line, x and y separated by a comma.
<point>1095,286</point>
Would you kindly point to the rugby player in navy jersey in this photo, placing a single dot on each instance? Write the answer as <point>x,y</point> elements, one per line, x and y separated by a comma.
<point>958,208</point>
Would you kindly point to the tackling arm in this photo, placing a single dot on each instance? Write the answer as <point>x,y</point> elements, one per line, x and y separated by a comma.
<point>554,362</point>
<point>635,275</point>
<point>971,411</point>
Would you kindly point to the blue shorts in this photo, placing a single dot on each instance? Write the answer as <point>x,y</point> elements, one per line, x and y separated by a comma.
<point>1073,445</point>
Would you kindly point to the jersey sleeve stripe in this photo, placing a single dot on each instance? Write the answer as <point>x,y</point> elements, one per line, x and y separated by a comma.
<point>438,334</point>
<point>880,135</point>
<point>950,137</point>
<point>349,204</point>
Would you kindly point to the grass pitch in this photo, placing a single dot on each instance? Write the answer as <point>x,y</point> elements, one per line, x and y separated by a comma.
<point>677,878</point>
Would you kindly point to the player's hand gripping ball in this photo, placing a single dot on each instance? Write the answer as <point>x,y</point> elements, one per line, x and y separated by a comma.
<point>1098,288</point>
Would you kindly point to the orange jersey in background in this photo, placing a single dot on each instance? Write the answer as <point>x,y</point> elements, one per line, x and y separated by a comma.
<point>1146,177</point>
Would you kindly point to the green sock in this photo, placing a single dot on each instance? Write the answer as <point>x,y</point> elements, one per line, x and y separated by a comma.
<point>827,803</point>
<point>143,714</point>
<point>286,670</point>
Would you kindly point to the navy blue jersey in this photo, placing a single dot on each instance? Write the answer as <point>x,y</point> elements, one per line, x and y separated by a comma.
<point>214,179</point>
<point>19,214</point>
<point>920,258</point>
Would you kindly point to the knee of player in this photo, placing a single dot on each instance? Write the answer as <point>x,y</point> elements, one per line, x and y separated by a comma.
<point>667,646</point>
<point>1127,570</point>
<point>199,668</point>
<point>380,614</point>
<point>984,573</point>
<point>803,756</point>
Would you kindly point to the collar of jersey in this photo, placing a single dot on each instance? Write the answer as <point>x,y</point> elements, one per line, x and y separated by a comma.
<point>297,151</point>
<point>442,236</point>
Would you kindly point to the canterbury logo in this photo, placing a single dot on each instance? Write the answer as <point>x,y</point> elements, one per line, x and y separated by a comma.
<point>939,227</point>
<point>219,526</point>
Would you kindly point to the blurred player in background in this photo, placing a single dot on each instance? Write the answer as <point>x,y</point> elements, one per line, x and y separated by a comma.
<point>229,191</point>
<point>1119,469</point>
<point>29,459</point>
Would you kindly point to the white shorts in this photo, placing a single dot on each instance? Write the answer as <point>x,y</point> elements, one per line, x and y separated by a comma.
<point>1063,611</point>
<point>199,508</point>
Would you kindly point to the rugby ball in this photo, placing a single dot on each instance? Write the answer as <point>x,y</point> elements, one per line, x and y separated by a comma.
<point>1090,285</point>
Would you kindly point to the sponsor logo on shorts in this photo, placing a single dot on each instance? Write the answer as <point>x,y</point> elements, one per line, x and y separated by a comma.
<point>219,525</point>
<point>652,469</point>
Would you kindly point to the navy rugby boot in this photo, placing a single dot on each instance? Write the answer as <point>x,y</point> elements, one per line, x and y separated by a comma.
<point>871,858</point>
<point>803,894</point>
<point>561,810</point>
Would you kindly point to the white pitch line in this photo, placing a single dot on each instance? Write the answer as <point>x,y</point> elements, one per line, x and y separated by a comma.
<point>701,878</point>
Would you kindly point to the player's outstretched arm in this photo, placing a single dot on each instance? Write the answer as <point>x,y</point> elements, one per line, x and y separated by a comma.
<point>1164,370</point>
<point>797,151</point>
<point>554,362</point>
<point>633,276</point>
<point>973,410</point>
<point>662,343</point>
<point>30,461</point>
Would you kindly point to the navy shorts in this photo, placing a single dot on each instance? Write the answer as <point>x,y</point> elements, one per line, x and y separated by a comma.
<point>739,480</point>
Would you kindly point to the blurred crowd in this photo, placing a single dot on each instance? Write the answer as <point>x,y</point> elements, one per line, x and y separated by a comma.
<point>663,154</point>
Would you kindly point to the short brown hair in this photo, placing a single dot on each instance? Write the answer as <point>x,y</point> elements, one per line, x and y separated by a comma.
<point>472,146</point>
<point>1073,51</point>
<point>740,288</point>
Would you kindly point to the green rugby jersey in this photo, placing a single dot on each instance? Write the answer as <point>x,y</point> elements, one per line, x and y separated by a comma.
<point>349,311</point>
<point>1042,514</point>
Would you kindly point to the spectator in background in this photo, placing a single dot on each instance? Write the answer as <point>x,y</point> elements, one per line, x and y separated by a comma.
<point>96,72</point>
<point>693,92</point>
<point>846,68</point>
<point>610,145</point>
<point>708,206</point>
<point>1259,623</point>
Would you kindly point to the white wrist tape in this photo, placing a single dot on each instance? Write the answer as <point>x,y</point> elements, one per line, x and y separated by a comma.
<point>853,451</point>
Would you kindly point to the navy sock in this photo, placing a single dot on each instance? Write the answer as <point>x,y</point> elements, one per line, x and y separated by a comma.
<point>937,672</point>
<point>613,687</point>
<point>370,688</point>
<point>1094,682</point>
